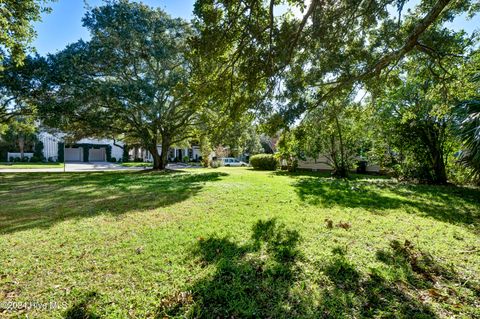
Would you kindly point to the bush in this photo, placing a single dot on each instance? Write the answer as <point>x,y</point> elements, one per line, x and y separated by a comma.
<point>17,159</point>
<point>35,159</point>
<point>264,162</point>
<point>11,159</point>
<point>113,159</point>
<point>38,150</point>
<point>186,159</point>
<point>215,163</point>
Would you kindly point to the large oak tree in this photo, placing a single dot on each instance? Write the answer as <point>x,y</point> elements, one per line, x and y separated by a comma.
<point>131,79</point>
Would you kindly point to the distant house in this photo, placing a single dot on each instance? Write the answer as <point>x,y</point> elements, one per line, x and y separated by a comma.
<point>174,154</point>
<point>320,164</point>
<point>84,150</point>
<point>103,150</point>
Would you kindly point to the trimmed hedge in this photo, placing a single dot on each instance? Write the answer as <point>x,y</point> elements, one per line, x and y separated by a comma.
<point>264,162</point>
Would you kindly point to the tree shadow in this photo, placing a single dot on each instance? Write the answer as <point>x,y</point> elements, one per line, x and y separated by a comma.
<point>81,309</point>
<point>265,278</point>
<point>414,278</point>
<point>250,280</point>
<point>42,200</point>
<point>458,205</point>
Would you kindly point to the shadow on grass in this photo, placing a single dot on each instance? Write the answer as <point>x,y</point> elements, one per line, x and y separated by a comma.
<point>242,285</point>
<point>368,296</point>
<point>446,203</point>
<point>81,309</point>
<point>265,278</point>
<point>40,199</point>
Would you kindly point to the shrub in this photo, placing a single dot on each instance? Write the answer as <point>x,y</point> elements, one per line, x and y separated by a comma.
<point>38,150</point>
<point>264,162</point>
<point>113,159</point>
<point>17,159</point>
<point>11,159</point>
<point>204,160</point>
<point>35,159</point>
<point>186,159</point>
<point>215,163</point>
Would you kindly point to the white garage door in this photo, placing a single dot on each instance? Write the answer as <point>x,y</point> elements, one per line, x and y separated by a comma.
<point>73,154</point>
<point>96,155</point>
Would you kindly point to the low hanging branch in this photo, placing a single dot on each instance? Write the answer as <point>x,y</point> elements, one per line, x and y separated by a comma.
<point>410,43</point>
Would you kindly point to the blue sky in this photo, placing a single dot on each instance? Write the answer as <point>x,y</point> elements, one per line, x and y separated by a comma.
<point>63,25</point>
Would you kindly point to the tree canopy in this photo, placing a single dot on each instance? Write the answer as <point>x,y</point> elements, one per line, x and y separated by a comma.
<point>292,64</point>
<point>131,79</point>
<point>16,30</point>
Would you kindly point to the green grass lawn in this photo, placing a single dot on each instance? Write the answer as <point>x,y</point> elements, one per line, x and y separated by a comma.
<point>30,165</point>
<point>137,164</point>
<point>237,243</point>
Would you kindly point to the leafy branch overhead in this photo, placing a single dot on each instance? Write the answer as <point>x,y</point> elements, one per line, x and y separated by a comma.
<point>330,47</point>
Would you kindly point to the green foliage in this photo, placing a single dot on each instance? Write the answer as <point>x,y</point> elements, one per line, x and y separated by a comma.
<point>215,163</point>
<point>38,150</point>
<point>337,131</point>
<point>16,27</point>
<point>20,136</point>
<point>125,155</point>
<point>264,162</point>
<point>131,79</point>
<point>61,152</point>
<point>289,149</point>
<point>415,111</point>
<point>21,86</point>
<point>469,113</point>
<point>286,65</point>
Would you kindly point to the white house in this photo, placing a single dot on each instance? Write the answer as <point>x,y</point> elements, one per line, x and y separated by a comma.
<point>174,154</point>
<point>102,150</point>
<point>319,164</point>
<point>84,150</point>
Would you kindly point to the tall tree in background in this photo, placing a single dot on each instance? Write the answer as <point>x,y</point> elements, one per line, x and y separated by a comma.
<point>336,131</point>
<point>16,30</point>
<point>417,107</point>
<point>131,79</point>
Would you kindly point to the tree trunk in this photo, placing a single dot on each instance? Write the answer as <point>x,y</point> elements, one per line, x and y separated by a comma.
<point>157,160</point>
<point>165,148</point>
<point>439,169</point>
<point>342,170</point>
<point>160,160</point>
<point>21,146</point>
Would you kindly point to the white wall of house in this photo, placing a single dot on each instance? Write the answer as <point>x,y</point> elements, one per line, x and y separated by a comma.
<point>320,165</point>
<point>50,145</point>
<point>117,152</point>
<point>193,152</point>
